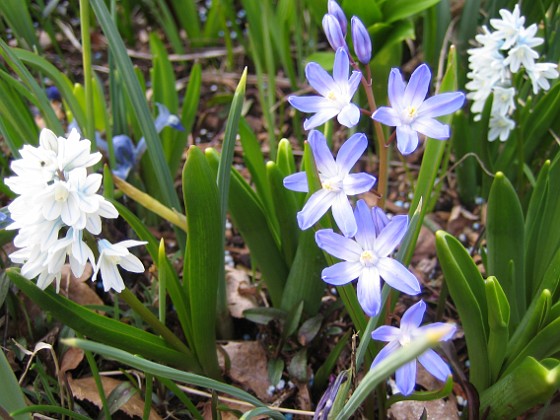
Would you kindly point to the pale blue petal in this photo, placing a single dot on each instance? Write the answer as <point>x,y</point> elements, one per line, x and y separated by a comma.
<point>407,139</point>
<point>437,325</point>
<point>334,9</point>
<point>397,276</point>
<point>350,152</point>
<point>343,215</point>
<point>384,352</point>
<point>412,318</point>
<point>387,116</point>
<point>319,79</point>
<point>297,182</point>
<point>417,87</point>
<point>315,208</point>
<point>442,104</point>
<point>341,66</point>
<point>391,235</point>
<point>406,378</point>
<point>386,333</point>
<point>365,235</point>
<point>338,246</point>
<point>369,291</point>
<point>380,219</point>
<point>341,273</point>
<point>396,89</point>
<point>358,183</point>
<point>312,103</point>
<point>349,116</point>
<point>435,365</point>
<point>354,82</point>
<point>320,118</point>
<point>333,31</point>
<point>431,128</point>
<point>321,153</point>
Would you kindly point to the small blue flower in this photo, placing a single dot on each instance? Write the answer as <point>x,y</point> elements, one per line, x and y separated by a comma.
<point>334,33</point>
<point>412,113</point>
<point>366,257</point>
<point>335,10</point>
<point>361,40</point>
<point>337,182</point>
<point>401,337</point>
<point>336,93</point>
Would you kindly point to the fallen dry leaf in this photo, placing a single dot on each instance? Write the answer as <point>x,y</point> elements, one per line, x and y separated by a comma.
<point>85,389</point>
<point>70,361</point>
<point>238,296</point>
<point>248,366</point>
<point>78,289</point>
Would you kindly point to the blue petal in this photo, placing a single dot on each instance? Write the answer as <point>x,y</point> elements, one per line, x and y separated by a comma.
<point>335,10</point>
<point>358,183</point>
<point>435,365</point>
<point>333,31</point>
<point>319,79</point>
<point>350,152</point>
<point>396,89</point>
<point>407,139</point>
<point>384,352</point>
<point>354,82</point>
<point>315,208</point>
<point>365,235</point>
<point>386,333</point>
<point>442,104</point>
<point>391,235</point>
<point>341,66</point>
<point>417,87</point>
<point>341,273</point>
<point>312,103</point>
<point>387,116</point>
<point>369,291</point>
<point>397,276</point>
<point>349,116</point>
<point>380,219</point>
<point>338,245</point>
<point>406,378</point>
<point>321,153</point>
<point>320,118</point>
<point>343,215</point>
<point>431,128</point>
<point>412,318</point>
<point>297,182</point>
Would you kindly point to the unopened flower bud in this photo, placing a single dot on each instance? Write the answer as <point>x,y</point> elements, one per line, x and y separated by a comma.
<point>361,40</point>
<point>335,10</point>
<point>334,32</point>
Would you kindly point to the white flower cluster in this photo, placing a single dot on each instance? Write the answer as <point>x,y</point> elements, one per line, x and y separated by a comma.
<point>57,201</point>
<point>503,53</point>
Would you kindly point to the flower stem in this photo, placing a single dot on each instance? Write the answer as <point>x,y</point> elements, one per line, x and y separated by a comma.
<point>89,129</point>
<point>98,383</point>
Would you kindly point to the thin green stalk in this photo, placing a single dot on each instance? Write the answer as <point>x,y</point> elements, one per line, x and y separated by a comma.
<point>153,321</point>
<point>148,397</point>
<point>97,379</point>
<point>89,129</point>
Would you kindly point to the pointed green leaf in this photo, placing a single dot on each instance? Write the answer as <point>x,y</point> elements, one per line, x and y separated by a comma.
<point>11,397</point>
<point>498,322</point>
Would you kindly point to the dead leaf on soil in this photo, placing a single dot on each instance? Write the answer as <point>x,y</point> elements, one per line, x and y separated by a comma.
<point>70,361</point>
<point>239,292</point>
<point>85,389</point>
<point>248,366</point>
<point>78,289</point>
<point>206,410</point>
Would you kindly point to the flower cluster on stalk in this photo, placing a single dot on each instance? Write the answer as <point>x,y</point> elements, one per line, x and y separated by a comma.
<point>57,208</point>
<point>501,54</point>
<point>369,237</point>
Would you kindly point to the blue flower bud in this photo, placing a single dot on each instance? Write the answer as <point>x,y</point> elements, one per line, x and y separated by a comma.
<point>335,10</point>
<point>361,40</point>
<point>334,32</point>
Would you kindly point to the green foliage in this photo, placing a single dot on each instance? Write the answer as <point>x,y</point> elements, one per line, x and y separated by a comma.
<point>11,398</point>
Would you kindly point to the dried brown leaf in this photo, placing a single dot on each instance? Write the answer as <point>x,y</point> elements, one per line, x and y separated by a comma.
<point>239,294</point>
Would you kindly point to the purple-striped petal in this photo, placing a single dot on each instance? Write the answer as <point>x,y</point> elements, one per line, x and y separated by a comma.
<point>365,236</point>
<point>350,152</point>
<point>315,208</point>
<point>358,183</point>
<point>391,235</point>
<point>386,333</point>
<point>319,79</point>
<point>338,245</point>
<point>412,318</point>
<point>387,116</point>
<point>341,273</point>
<point>396,89</point>
<point>334,9</point>
<point>333,31</point>
<point>431,128</point>
<point>442,104</point>
<point>406,378</point>
<point>369,291</point>
<point>297,182</point>
<point>349,116</point>
<point>407,139</point>
<point>435,364</point>
<point>343,214</point>
<point>417,87</point>
<point>321,153</point>
<point>397,276</point>
<point>341,66</point>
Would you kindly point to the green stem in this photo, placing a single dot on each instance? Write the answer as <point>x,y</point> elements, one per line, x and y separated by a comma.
<point>97,379</point>
<point>89,129</point>
<point>154,322</point>
<point>148,397</point>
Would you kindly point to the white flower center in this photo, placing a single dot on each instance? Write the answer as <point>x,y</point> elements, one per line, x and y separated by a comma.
<point>409,114</point>
<point>331,184</point>
<point>60,192</point>
<point>331,96</point>
<point>405,340</point>
<point>115,259</point>
<point>368,258</point>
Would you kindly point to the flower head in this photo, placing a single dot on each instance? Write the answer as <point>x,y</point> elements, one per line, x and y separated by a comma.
<point>335,10</point>
<point>411,113</point>
<point>336,180</point>
<point>361,40</point>
<point>336,93</point>
<point>366,257</point>
<point>334,33</point>
<point>113,255</point>
<point>401,337</point>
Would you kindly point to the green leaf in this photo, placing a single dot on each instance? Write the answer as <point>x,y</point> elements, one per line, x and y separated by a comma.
<point>498,322</point>
<point>17,16</point>
<point>368,11</point>
<point>505,236</point>
<point>401,9</point>
<point>101,328</point>
<point>530,384</point>
<point>542,116</point>
<point>292,320</point>
<point>204,255</point>
<point>11,398</point>
<point>264,315</point>
<point>467,290</point>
